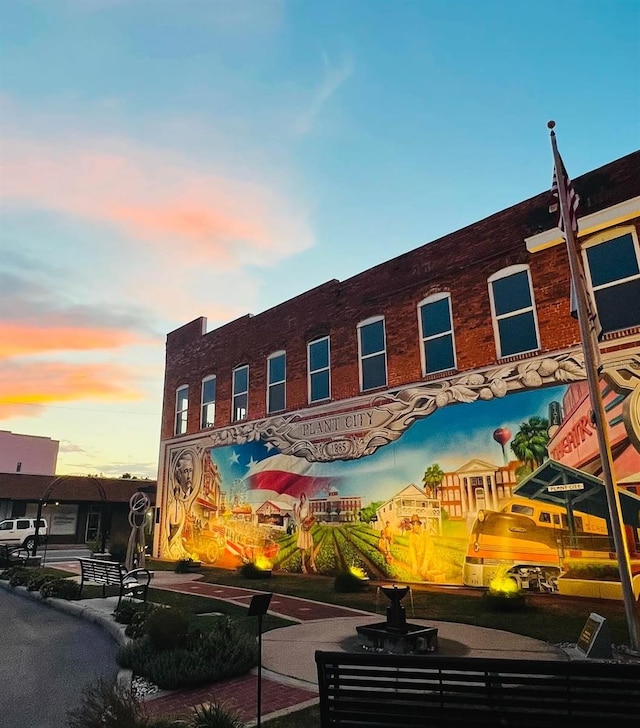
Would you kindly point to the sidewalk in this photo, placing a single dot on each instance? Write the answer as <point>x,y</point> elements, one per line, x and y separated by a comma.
<point>289,680</point>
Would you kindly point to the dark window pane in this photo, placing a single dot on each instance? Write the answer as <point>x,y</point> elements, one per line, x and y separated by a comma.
<point>319,355</point>
<point>183,398</point>
<point>239,407</point>
<point>511,293</point>
<point>276,368</point>
<point>612,260</point>
<point>435,317</point>
<point>517,334</point>
<point>320,386</point>
<point>209,390</point>
<point>374,373</point>
<point>276,398</point>
<point>241,379</point>
<point>619,306</point>
<point>438,354</point>
<point>372,338</point>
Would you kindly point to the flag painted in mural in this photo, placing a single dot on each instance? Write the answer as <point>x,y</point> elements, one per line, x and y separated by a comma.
<point>287,475</point>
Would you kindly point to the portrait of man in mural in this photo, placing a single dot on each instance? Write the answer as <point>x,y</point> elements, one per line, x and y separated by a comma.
<point>304,521</point>
<point>420,547</point>
<point>184,476</point>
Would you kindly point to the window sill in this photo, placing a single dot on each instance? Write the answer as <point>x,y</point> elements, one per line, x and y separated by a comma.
<point>519,357</point>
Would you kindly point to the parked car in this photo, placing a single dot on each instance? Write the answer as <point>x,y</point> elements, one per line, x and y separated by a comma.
<point>22,532</point>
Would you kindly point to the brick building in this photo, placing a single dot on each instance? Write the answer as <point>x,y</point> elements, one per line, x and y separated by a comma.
<point>345,372</point>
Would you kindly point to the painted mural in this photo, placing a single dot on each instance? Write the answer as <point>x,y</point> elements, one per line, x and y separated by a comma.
<point>438,502</point>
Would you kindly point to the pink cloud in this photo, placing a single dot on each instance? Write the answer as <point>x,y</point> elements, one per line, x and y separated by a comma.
<point>32,339</point>
<point>153,197</point>
<point>41,383</point>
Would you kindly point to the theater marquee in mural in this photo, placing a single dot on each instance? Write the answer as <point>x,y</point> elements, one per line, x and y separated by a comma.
<point>407,485</point>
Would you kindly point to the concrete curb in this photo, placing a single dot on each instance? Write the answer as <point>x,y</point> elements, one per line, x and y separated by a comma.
<point>77,609</point>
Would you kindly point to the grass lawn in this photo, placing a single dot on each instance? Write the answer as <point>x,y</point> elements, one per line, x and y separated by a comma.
<point>549,617</point>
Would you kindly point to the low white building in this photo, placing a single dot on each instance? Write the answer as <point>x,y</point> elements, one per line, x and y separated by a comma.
<point>406,503</point>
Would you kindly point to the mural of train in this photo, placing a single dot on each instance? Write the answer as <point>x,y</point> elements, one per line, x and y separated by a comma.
<point>527,542</point>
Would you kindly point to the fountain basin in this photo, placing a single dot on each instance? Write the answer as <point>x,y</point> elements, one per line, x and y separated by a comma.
<point>411,639</point>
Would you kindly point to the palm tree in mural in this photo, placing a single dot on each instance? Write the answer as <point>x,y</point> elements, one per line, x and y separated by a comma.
<point>432,478</point>
<point>530,442</point>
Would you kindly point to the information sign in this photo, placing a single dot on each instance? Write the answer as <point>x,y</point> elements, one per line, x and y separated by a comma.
<point>595,638</point>
<point>564,487</point>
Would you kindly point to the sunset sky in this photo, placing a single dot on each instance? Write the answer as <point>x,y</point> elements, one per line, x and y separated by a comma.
<point>162,160</point>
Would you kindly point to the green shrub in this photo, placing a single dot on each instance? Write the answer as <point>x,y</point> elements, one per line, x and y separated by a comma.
<point>20,575</point>
<point>37,580</point>
<point>348,582</point>
<point>504,601</point>
<point>183,566</point>
<point>137,627</point>
<point>105,705</point>
<point>229,649</point>
<point>167,628</point>
<point>215,715</point>
<point>60,588</point>
<point>129,608</point>
<point>251,571</point>
<point>118,551</point>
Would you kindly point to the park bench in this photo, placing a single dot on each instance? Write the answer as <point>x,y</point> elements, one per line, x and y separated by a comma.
<point>400,691</point>
<point>133,583</point>
<point>13,556</point>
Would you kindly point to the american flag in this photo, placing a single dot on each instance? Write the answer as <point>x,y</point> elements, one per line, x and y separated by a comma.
<point>570,195</point>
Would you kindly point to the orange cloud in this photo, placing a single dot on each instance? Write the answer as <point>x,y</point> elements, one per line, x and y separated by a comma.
<point>154,197</point>
<point>28,339</point>
<point>25,387</point>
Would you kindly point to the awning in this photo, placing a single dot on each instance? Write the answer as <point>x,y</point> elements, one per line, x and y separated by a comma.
<point>591,498</point>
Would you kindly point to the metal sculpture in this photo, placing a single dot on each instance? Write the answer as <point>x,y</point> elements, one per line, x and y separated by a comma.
<point>138,508</point>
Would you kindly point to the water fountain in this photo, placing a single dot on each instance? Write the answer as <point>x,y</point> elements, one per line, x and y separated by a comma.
<point>396,635</point>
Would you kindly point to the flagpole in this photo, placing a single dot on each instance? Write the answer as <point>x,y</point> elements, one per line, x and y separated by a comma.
<point>591,364</point>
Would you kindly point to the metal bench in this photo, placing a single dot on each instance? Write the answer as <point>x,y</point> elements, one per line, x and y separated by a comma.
<point>133,583</point>
<point>400,691</point>
<point>13,556</point>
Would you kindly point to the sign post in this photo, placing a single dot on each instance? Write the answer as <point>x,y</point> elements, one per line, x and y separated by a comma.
<point>258,608</point>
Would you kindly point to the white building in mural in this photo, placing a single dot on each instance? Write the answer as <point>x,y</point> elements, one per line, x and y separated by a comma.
<point>406,503</point>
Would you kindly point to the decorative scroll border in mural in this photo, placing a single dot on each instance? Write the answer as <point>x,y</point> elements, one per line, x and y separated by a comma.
<point>383,418</point>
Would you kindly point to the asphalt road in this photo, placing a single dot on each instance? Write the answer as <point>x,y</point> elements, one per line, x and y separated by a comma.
<point>47,658</point>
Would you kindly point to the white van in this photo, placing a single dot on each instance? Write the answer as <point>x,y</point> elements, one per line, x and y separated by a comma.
<point>21,532</point>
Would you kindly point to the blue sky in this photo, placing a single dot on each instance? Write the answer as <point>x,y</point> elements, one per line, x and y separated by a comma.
<point>164,159</point>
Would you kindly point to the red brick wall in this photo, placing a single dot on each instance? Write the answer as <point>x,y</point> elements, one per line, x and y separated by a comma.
<point>460,263</point>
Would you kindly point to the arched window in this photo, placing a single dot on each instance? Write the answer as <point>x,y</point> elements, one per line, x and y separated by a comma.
<point>208,403</point>
<point>276,382</point>
<point>182,408</point>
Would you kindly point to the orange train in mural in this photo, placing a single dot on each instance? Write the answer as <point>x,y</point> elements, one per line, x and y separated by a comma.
<point>526,540</point>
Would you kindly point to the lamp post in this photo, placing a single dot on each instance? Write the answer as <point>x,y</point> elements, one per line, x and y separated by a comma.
<point>258,607</point>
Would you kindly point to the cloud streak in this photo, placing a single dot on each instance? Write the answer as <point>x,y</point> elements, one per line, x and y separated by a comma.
<point>27,386</point>
<point>152,197</point>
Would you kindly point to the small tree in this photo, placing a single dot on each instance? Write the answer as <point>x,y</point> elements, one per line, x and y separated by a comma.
<point>432,479</point>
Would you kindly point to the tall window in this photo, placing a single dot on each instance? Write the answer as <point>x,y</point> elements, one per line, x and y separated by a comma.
<point>318,358</point>
<point>240,397</point>
<point>276,382</point>
<point>182,407</point>
<point>436,332</point>
<point>208,407</point>
<point>514,316</point>
<point>615,278</point>
<point>373,354</point>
